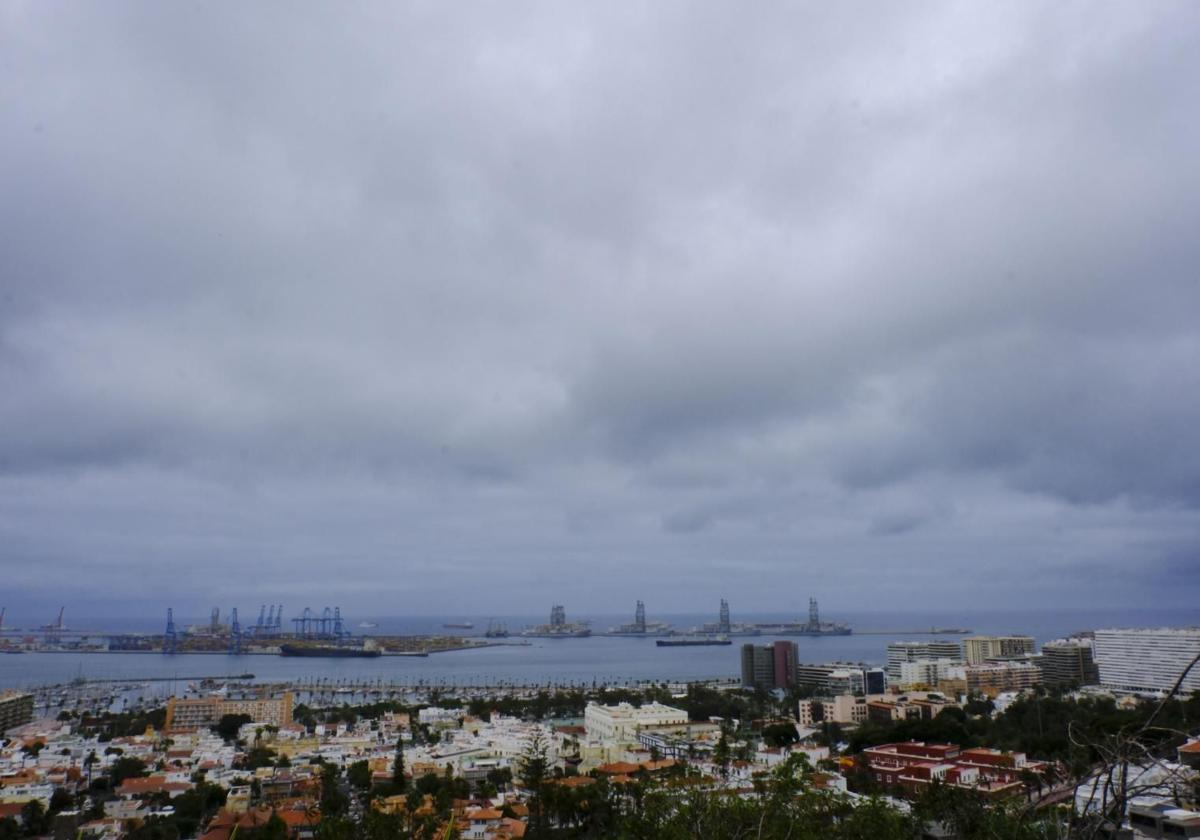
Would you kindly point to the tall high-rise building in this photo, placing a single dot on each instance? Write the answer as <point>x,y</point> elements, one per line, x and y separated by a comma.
<point>1069,662</point>
<point>758,666</point>
<point>898,652</point>
<point>769,666</point>
<point>979,649</point>
<point>1147,660</point>
<point>785,664</point>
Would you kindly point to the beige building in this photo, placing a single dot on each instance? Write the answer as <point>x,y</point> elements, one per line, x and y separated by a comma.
<point>201,712</point>
<point>842,709</point>
<point>995,677</point>
<point>621,723</point>
<point>979,649</point>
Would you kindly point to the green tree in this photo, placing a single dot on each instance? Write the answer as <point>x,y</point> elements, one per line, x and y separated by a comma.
<point>333,801</point>
<point>398,779</point>
<point>60,800</point>
<point>255,758</point>
<point>500,777</point>
<point>34,818</point>
<point>155,828</point>
<point>780,734</point>
<point>338,828</point>
<point>229,725</point>
<point>359,775</point>
<point>275,829</point>
<point>125,767</point>
<point>721,753</point>
<point>33,749</point>
<point>533,769</point>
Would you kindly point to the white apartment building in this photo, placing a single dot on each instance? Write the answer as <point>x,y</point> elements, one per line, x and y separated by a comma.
<point>927,673</point>
<point>621,723</point>
<point>1147,659</point>
<point>898,652</point>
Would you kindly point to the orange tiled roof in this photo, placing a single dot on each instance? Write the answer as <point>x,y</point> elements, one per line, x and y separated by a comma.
<point>150,784</point>
<point>575,781</point>
<point>484,814</point>
<point>661,764</point>
<point>512,828</point>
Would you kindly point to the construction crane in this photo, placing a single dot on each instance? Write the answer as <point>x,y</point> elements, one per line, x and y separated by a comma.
<point>235,634</point>
<point>52,631</point>
<point>170,637</point>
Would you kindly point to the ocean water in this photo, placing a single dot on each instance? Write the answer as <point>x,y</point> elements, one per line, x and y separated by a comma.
<point>597,659</point>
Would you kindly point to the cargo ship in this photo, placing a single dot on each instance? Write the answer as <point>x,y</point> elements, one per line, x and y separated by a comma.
<point>338,651</point>
<point>465,625</point>
<point>692,642</point>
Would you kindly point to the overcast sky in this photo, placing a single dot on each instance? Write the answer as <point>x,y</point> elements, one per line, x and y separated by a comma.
<point>433,307</point>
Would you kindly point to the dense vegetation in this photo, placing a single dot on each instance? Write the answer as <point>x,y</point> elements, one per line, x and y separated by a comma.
<point>783,805</point>
<point>109,725</point>
<point>1045,727</point>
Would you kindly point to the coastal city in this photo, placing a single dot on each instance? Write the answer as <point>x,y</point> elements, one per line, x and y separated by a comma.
<point>1024,731</point>
<point>599,421</point>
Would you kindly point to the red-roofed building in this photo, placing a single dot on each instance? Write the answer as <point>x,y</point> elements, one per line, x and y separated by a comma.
<point>11,810</point>
<point>139,786</point>
<point>1189,754</point>
<point>912,765</point>
<point>301,822</point>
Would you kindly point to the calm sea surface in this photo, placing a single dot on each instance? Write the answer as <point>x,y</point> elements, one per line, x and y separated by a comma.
<point>577,661</point>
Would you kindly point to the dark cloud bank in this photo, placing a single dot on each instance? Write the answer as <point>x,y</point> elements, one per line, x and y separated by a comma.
<point>415,308</point>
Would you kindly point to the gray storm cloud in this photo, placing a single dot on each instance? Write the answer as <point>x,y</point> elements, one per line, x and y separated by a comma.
<point>852,298</point>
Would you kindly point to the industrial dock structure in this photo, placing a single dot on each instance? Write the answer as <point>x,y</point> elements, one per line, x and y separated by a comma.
<point>317,632</point>
<point>813,627</point>
<point>314,633</point>
<point>559,627</point>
